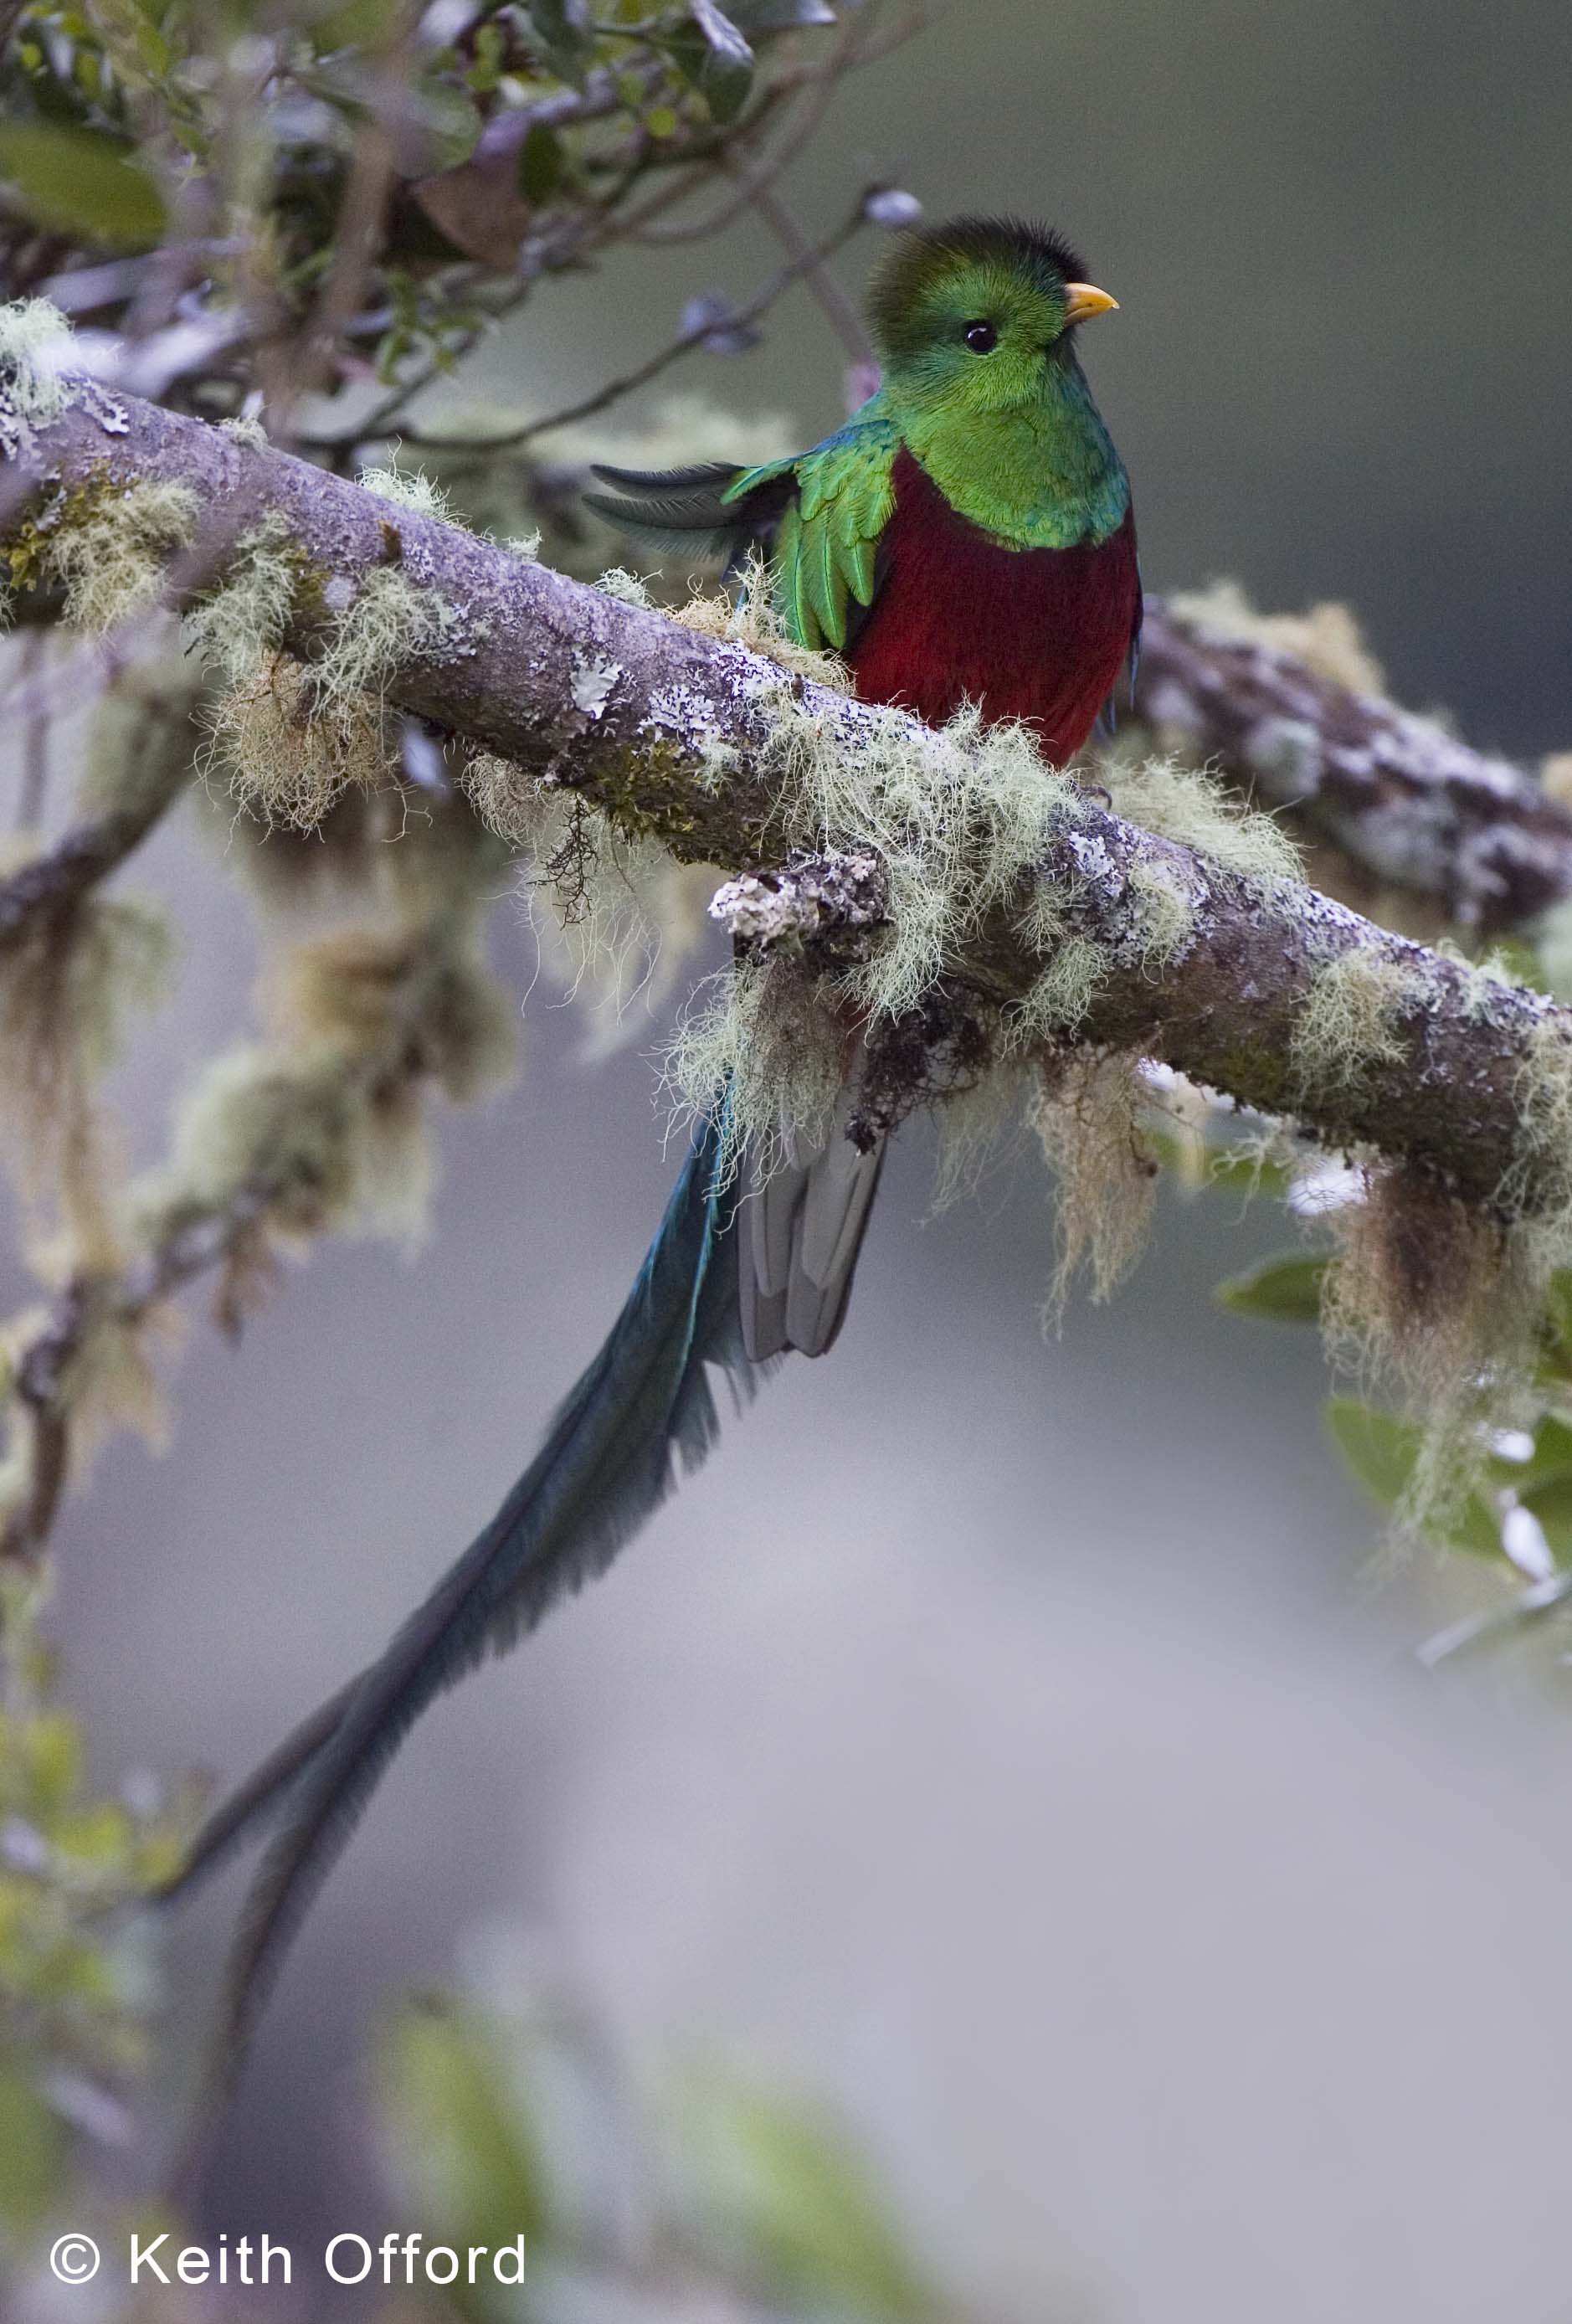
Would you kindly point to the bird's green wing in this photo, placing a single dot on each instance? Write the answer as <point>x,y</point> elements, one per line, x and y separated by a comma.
<point>826,545</point>
<point>821,511</point>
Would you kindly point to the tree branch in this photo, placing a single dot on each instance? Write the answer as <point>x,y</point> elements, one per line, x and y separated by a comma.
<point>634,713</point>
<point>43,1368</point>
<point>79,861</point>
<point>235,1234</point>
<point>1412,806</point>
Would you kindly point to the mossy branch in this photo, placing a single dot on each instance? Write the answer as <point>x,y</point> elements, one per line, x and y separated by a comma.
<point>281,1145</point>
<point>1410,804</point>
<point>81,860</point>
<point>678,736</point>
<point>189,1248</point>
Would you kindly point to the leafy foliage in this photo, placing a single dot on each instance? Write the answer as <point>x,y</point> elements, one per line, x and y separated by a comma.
<point>784,2189</point>
<point>515,140</point>
<point>74,1996</point>
<point>1381,1450</point>
<point>80,183</point>
<point>464,2142</point>
<point>1282,1290</point>
<point>1526,1471</point>
<point>507,2110</point>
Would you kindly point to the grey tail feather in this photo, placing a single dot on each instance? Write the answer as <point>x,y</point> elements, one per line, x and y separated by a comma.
<point>707,476</point>
<point>643,1408</point>
<point>685,508</point>
<point>800,1232</point>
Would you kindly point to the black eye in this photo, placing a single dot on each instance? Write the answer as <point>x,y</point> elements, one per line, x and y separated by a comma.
<point>980,338</point>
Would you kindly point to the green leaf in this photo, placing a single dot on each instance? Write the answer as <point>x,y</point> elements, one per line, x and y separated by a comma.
<point>32,2153</point>
<point>153,50</point>
<point>472,2157</point>
<point>1199,1167</point>
<point>1474,1531</point>
<point>1558,1314</point>
<point>53,1750</point>
<point>1235,1170</point>
<point>1381,1450</point>
<point>541,162</point>
<point>1286,1289</point>
<point>712,56</point>
<point>564,36</point>
<point>98,1836</point>
<point>367,24</point>
<point>1553,1505</point>
<point>1551,1460</point>
<point>491,54</point>
<point>449,131</point>
<point>793,2196</point>
<point>82,183</point>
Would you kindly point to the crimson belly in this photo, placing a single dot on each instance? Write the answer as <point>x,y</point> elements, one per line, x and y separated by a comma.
<point>1034,633</point>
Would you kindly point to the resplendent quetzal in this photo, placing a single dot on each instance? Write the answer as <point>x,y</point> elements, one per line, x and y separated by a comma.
<point>965,538</point>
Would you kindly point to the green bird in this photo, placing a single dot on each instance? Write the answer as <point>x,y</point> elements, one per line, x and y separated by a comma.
<point>966,538</point>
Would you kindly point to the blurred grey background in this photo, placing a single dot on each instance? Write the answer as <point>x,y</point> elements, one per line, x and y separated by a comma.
<point>1001,1734</point>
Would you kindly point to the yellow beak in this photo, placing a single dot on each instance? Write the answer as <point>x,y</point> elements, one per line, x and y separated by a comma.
<point>1082,301</point>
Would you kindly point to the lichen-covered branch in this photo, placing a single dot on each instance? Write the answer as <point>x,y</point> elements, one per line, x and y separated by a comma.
<point>278,1142</point>
<point>1412,806</point>
<point>809,898</point>
<point>695,742</point>
<point>80,861</point>
<point>119,1304</point>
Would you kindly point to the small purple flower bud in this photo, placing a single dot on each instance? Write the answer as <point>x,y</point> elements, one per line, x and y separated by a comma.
<point>23,1848</point>
<point>892,207</point>
<point>713,314</point>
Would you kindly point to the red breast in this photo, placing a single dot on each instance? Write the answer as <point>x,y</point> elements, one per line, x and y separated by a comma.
<point>1034,633</point>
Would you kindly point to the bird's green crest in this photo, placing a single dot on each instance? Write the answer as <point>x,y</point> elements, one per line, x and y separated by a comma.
<point>968,312</point>
<point>975,323</point>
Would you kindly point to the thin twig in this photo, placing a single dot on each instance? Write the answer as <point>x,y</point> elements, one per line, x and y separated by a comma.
<point>44,1369</point>
<point>379,420</point>
<point>35,733</point>
<point>357,236</point>
<point>837,308</point>
<point>217,1235</point>
<point>574,240</point>
<point>612,391</point>
<point>854,47</point>
<point>571,240</point>
<point>83,860</point>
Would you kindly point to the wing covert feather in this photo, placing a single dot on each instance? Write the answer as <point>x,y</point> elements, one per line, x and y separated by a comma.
<point>826,549</point>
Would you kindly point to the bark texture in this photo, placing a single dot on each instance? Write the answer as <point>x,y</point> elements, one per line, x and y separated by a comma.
<point>1414,807</point>
<point>631,710</point>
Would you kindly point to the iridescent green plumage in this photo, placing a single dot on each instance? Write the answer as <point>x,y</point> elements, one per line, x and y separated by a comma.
<point>825,551</point>
<point>1011,437</point>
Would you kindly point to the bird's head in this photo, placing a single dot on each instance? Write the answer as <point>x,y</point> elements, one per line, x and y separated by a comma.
<point>975,314</point>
